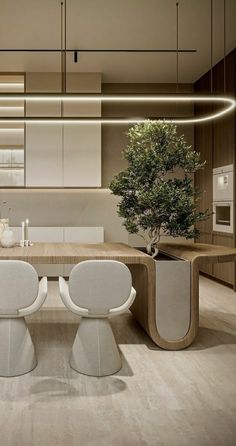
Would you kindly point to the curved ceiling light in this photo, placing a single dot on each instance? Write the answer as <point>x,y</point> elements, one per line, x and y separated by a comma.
<point>227,103</point>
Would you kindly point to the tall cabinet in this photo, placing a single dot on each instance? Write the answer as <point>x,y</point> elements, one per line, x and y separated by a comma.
<point>216,142</point>
<point>63,155</point>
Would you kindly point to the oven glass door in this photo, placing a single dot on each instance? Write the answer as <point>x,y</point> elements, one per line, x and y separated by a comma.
<point>223,217</point>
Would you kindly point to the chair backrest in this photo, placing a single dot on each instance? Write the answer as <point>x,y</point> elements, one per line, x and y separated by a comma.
<point>100,285</point>
<point>18,285</point>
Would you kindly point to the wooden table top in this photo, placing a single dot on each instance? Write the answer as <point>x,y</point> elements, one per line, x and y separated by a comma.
<point>199,251</point>
<point>61,253</point>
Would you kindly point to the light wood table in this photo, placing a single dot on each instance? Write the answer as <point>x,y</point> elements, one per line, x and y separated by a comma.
<point>142,268</point>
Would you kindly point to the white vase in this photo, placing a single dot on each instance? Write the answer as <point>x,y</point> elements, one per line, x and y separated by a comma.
<point>7,239</point>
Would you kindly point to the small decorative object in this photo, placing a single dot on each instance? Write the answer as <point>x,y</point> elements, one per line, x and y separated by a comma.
<point>4,221</point>
<point>7,239</point>
<point>25,234</point>
<point>22,242</point>
<point>3,225</point>
<point>155,198</point>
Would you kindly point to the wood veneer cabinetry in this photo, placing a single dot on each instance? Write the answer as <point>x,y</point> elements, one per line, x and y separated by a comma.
<point>216,143</point>
<point>224,271</point>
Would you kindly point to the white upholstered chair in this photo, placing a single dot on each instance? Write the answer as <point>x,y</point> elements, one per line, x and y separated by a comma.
<point>21,294</point>
<point>97,289</point>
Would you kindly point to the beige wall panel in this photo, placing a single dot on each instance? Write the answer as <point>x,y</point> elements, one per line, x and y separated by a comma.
<point>67,208</point>
<point>84,82</point>
<point>43,82</point>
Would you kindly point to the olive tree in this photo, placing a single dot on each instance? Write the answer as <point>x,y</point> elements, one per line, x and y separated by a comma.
<point>154,199</point>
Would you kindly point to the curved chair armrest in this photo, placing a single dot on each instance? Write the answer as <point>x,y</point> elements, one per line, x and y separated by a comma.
<point>125,306</point>
<point>36,305</point>
<point>66,299</point>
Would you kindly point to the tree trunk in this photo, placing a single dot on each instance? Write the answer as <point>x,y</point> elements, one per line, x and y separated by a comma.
<point>152,248</point>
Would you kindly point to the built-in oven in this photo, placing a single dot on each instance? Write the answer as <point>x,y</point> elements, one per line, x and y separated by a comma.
<point>223,216</point>
<point>223,207</point>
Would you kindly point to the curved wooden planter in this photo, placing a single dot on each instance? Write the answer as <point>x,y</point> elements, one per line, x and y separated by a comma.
<point>167,303</point>
<point>173,298</point>
<point>167,309</point>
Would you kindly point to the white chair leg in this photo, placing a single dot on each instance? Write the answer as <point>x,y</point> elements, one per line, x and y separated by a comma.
<point>17,355</point>
<point>95,351</point>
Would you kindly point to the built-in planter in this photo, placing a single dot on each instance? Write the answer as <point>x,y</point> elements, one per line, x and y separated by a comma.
<point>166,303</point>
<point>173,297</point>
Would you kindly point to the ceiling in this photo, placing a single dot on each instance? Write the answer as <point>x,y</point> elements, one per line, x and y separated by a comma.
<point>116,24</point>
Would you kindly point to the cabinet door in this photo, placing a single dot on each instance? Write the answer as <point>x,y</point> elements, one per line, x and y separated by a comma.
<point>11,137</point>
<point>224,271</point>
<point>44,155</point>
<point>208,267</point>
<point>82,142</point>
<point>82,155</point>
<point>44,167</point>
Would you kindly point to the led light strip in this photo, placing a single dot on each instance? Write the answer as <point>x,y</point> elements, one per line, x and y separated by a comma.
<point>230,102</point>
<point>10,130</point>
<point>80,97</point>
<point>11,84</point>
<point>8,108</point>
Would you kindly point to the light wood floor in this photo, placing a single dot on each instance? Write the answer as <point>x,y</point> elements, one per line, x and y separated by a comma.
<point>158,398</point>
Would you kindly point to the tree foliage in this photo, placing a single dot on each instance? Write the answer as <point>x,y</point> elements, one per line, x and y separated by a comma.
<point>153,198</point>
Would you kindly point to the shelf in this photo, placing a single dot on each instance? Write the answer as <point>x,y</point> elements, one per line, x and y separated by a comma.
<point>11,168</point>
<point>12,147</point>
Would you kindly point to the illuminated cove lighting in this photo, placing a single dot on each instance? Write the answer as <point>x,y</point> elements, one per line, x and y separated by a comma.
<point>228,104</point>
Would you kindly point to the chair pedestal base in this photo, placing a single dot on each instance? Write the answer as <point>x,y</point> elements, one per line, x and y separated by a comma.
<point>95,351</point>
<point>17,355</point>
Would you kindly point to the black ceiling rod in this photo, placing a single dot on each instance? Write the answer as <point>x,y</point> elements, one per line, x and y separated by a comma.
<point>79,50</point>
<point>62,55</point>
<point>63,46</point>
<point>211,50</point>
<point>224,39</point>
<point>177,47</point>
